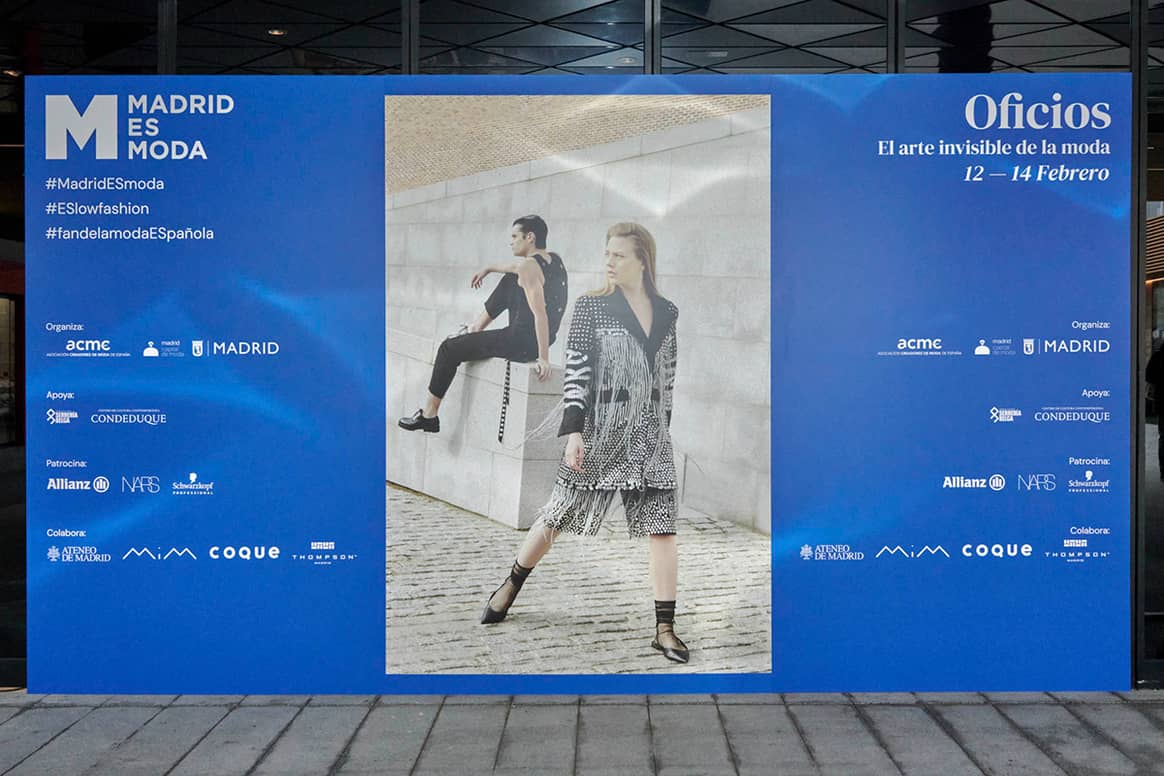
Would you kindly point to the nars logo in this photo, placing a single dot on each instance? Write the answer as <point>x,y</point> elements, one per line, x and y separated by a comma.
<point>62,121</point>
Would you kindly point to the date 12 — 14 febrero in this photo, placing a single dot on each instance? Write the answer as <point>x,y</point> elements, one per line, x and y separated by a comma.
<point>1040,173</point>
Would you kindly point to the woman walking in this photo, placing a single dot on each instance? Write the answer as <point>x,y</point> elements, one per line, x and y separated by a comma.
<point>619,380</point>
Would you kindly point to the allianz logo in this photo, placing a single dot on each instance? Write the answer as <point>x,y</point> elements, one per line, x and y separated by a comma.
<point>995,482</point>
<point>924,552</point>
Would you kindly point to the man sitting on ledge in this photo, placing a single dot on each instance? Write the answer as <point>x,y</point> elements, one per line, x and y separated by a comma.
<point>534,290</point>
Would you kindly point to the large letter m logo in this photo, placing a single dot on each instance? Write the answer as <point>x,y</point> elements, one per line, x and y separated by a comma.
<point>62,121</point>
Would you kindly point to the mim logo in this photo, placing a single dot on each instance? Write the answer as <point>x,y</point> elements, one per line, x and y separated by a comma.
<point>97,122</point>
<point>911,553</point>
<point>158,554</point>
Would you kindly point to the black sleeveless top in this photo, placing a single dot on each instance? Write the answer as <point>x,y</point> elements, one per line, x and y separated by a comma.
<point>556,291</point>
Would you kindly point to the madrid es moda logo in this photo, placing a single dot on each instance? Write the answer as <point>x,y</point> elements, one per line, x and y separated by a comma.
<point>144,123</point>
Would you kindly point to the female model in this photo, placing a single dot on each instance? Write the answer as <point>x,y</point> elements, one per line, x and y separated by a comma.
<point>620,373</point>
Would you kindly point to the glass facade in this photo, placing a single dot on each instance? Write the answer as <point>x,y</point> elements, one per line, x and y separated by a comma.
<point>584,37</point>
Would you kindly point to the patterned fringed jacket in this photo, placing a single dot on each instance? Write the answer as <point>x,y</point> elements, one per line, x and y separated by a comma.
<point>618,390</point>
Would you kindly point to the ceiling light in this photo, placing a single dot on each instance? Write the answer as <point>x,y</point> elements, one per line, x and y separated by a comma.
<point>628,61</point>
<point>717,54</point>
<point>276,32</point>
<point>12,73</point>
<point>610,67</point>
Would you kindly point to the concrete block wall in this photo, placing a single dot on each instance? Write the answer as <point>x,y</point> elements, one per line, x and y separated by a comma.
<point>704,191</point>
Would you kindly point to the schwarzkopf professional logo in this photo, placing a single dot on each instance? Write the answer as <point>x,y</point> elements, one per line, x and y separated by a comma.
<point>98,121</point>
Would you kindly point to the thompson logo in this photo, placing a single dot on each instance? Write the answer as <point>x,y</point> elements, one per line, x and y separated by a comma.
<point>926,551</point>
<point>1078,548</point>
<point>323,553</point>
<point>157,553</point>
<point>995,482</point>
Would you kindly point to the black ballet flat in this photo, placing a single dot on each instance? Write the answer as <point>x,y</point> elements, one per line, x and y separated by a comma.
<point>418,422</point>
<point>674,654</point>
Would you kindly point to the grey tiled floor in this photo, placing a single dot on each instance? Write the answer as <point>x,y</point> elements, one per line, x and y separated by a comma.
<point>900,733</point>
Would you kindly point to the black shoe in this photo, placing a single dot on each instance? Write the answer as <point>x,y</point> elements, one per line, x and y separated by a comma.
<point>491,616</point>
<point>516,578</point>
<point>678,653</point>
<point>418,422</point>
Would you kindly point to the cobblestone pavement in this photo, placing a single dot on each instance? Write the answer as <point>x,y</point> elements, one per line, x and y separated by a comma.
<point>848,735</point>
<point>587,607</point>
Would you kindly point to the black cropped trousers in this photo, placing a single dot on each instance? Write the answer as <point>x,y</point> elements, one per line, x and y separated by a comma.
<point>508,343</point>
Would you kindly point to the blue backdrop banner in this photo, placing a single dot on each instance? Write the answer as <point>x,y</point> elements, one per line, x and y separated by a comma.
<point>950,397</point>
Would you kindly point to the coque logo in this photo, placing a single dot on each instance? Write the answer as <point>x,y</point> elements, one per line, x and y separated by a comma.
<point>996,550</point>
<point>257,552</point>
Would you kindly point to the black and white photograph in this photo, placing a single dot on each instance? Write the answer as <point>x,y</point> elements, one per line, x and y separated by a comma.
<point>578,389</point>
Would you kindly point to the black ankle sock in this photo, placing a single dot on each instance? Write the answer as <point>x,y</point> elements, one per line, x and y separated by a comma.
<point>518,574</point>
<point>664,613</point>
